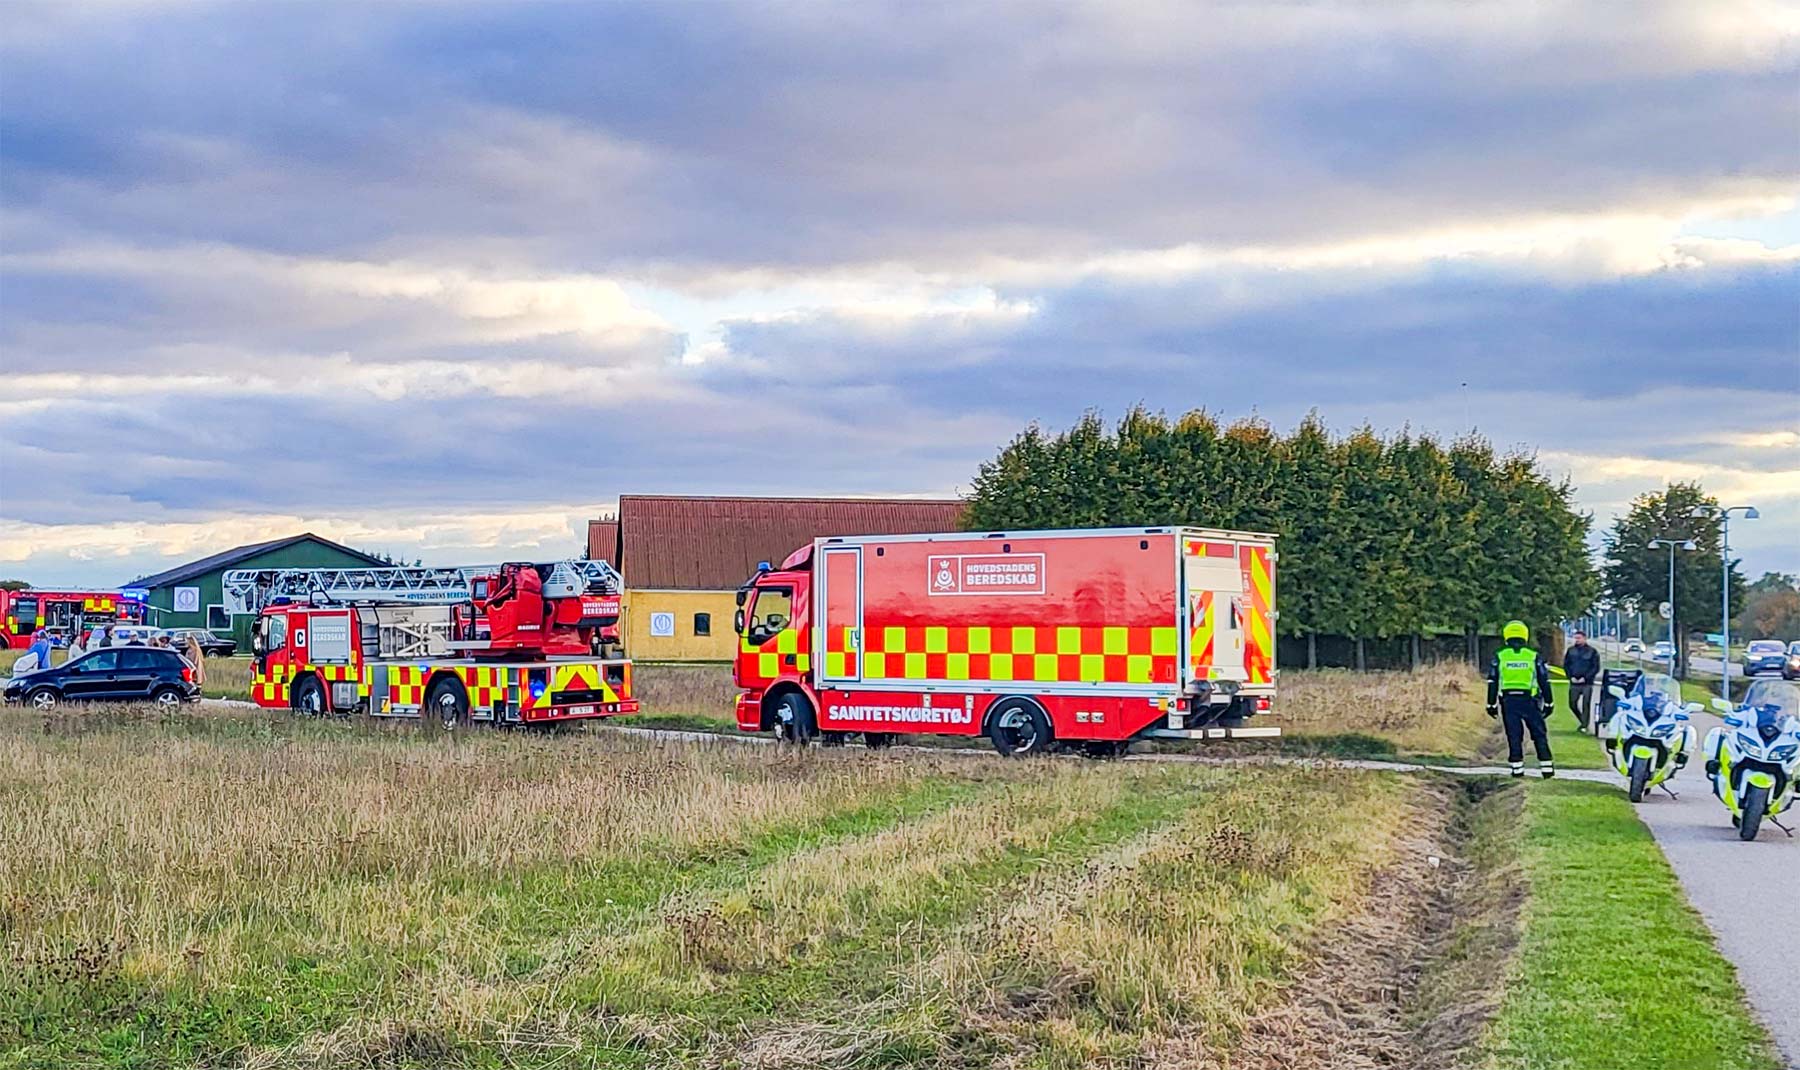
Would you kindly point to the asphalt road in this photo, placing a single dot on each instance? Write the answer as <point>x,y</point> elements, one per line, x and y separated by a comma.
<point>1743,890</point>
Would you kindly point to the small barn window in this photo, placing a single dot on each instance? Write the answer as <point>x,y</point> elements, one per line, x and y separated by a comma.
<point>703,624</point>
<point>217,620</point>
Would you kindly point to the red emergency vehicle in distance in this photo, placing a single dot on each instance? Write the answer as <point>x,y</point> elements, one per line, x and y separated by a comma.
<point>516,643</point>
<point>70,613</point>
<point>1087,638</point>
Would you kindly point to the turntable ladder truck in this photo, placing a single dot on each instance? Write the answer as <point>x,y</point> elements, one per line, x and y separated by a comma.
<point>516,643</point>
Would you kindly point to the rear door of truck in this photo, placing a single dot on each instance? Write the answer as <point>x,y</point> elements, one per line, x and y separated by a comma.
<point>1212,583</point>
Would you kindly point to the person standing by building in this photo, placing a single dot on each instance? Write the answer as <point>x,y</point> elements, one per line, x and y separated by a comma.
<point>196,658</point>
<point>1519,692</point>
<point>1581,663</point>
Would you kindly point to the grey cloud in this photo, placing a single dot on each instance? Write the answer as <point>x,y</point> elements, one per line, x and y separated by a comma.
<point>617,135</point>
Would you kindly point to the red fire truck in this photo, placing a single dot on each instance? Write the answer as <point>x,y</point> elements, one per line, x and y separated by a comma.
<point>506,644</point>
<point>1089,638</point>
<point>68,613</point>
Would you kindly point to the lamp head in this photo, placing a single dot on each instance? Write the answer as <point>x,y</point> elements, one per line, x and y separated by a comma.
<point>1689,545</point>
<point>1701,510</point>
<point>1751,513</point>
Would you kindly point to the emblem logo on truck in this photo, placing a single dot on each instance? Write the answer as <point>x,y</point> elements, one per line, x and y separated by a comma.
<point>985,574</point>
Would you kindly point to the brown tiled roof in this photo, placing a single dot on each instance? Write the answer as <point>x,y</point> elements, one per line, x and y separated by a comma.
<point>714,544</point>
<point>603,541</point>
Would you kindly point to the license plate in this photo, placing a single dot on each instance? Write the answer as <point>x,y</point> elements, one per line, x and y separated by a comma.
<point>576,711</point>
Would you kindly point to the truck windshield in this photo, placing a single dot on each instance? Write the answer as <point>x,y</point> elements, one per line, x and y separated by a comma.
<point>772,611</point>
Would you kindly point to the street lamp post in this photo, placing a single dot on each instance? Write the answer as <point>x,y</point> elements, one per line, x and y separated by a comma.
<point>1724,518</point>
<point>1675,659</point>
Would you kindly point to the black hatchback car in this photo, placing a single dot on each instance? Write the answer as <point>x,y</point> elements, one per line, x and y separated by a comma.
<point>116,674</point>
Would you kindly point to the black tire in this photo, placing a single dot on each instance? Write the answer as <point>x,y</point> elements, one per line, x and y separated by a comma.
<point>447,706</point>
<point>878,740</point>
<point>167,696</point>
<point>1018,728</point>
<point>1640,776</point>
<point>1756,803</point>
<point>42,698</point>
<point>309,698</point>
<point>794,719</point>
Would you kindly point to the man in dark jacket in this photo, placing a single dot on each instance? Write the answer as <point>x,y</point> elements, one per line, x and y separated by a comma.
<point>1581,663</point>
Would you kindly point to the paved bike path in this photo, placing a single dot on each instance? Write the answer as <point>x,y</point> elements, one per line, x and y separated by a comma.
<point>1745,891</point>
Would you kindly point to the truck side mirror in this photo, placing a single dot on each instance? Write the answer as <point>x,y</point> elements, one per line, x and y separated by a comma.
<point>737,619</point>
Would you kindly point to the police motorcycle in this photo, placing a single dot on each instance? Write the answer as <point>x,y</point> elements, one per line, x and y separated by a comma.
<point>1648,737</point>
<point>1754,757</point>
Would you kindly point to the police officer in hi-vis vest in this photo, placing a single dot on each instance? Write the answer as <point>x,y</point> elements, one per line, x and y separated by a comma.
<point>1519,688</point>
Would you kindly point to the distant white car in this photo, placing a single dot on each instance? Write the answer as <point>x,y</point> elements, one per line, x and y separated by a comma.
<point>1634,646</point>
<point>1663,651</point>
<point>123,635</point>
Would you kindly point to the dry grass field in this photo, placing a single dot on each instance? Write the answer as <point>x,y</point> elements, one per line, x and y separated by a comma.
<point>233,889</point>
<point>1431,712</point>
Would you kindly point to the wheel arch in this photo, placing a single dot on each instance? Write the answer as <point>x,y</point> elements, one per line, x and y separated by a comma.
<point>440,675</point>
<point>772,698</point>
<point>300,678</point>
<point>1001,701</point>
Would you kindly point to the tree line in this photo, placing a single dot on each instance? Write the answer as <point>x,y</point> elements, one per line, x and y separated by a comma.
<point>1381,535</point>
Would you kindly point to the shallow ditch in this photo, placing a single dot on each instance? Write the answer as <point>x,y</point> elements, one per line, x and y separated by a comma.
<point>1410,981</point>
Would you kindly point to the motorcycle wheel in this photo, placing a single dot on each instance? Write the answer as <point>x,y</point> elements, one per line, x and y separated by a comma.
<point>1640,775</point>
<point>1756,801</point>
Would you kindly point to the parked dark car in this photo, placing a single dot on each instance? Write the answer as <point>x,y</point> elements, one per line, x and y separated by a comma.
<point>1764,655</point>
<point>116,674</point>
<point>1791,671</point>
<point>211,646</point>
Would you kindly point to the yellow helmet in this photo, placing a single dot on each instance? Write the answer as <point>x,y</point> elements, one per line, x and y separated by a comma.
<point>1515,629</point>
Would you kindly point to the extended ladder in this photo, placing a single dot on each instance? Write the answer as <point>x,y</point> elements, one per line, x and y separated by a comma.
<point>248,590</point>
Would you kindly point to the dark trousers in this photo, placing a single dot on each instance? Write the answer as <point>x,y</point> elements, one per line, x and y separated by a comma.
<point>1521,713</point>
<point>1581,700</point>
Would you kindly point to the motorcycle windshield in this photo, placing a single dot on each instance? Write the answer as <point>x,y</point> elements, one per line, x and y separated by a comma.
<point>1656,692</point>
<point>1772,703</point>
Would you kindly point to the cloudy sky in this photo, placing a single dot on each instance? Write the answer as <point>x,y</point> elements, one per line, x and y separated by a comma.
<point>445,279</point>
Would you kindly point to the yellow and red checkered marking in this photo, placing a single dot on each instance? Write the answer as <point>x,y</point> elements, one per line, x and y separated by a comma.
<point>1259,622</point>
<point>771,655</point>
<point>1038,653</point>
<point>841,655</point>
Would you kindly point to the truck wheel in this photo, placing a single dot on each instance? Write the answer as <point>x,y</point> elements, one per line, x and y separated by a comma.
<point>1640,776</point>
<point>878,740</point>
<point>1756,801</point>
<point>1018,727</point>
<point>309,698</point>
<point>447,705</point>
<point>794,721</point>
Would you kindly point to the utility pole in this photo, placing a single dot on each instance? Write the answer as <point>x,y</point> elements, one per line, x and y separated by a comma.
<point>1723,516</point>
<point>1677,663</point>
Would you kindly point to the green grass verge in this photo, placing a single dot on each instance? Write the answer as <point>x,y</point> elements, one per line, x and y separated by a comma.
<point>1614,969</point>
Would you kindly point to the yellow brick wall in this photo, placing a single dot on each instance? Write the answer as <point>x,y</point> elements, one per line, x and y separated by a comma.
<point>684,645</point>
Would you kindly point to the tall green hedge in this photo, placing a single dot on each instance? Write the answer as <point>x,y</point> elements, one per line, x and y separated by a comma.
<point>1381,536</point>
